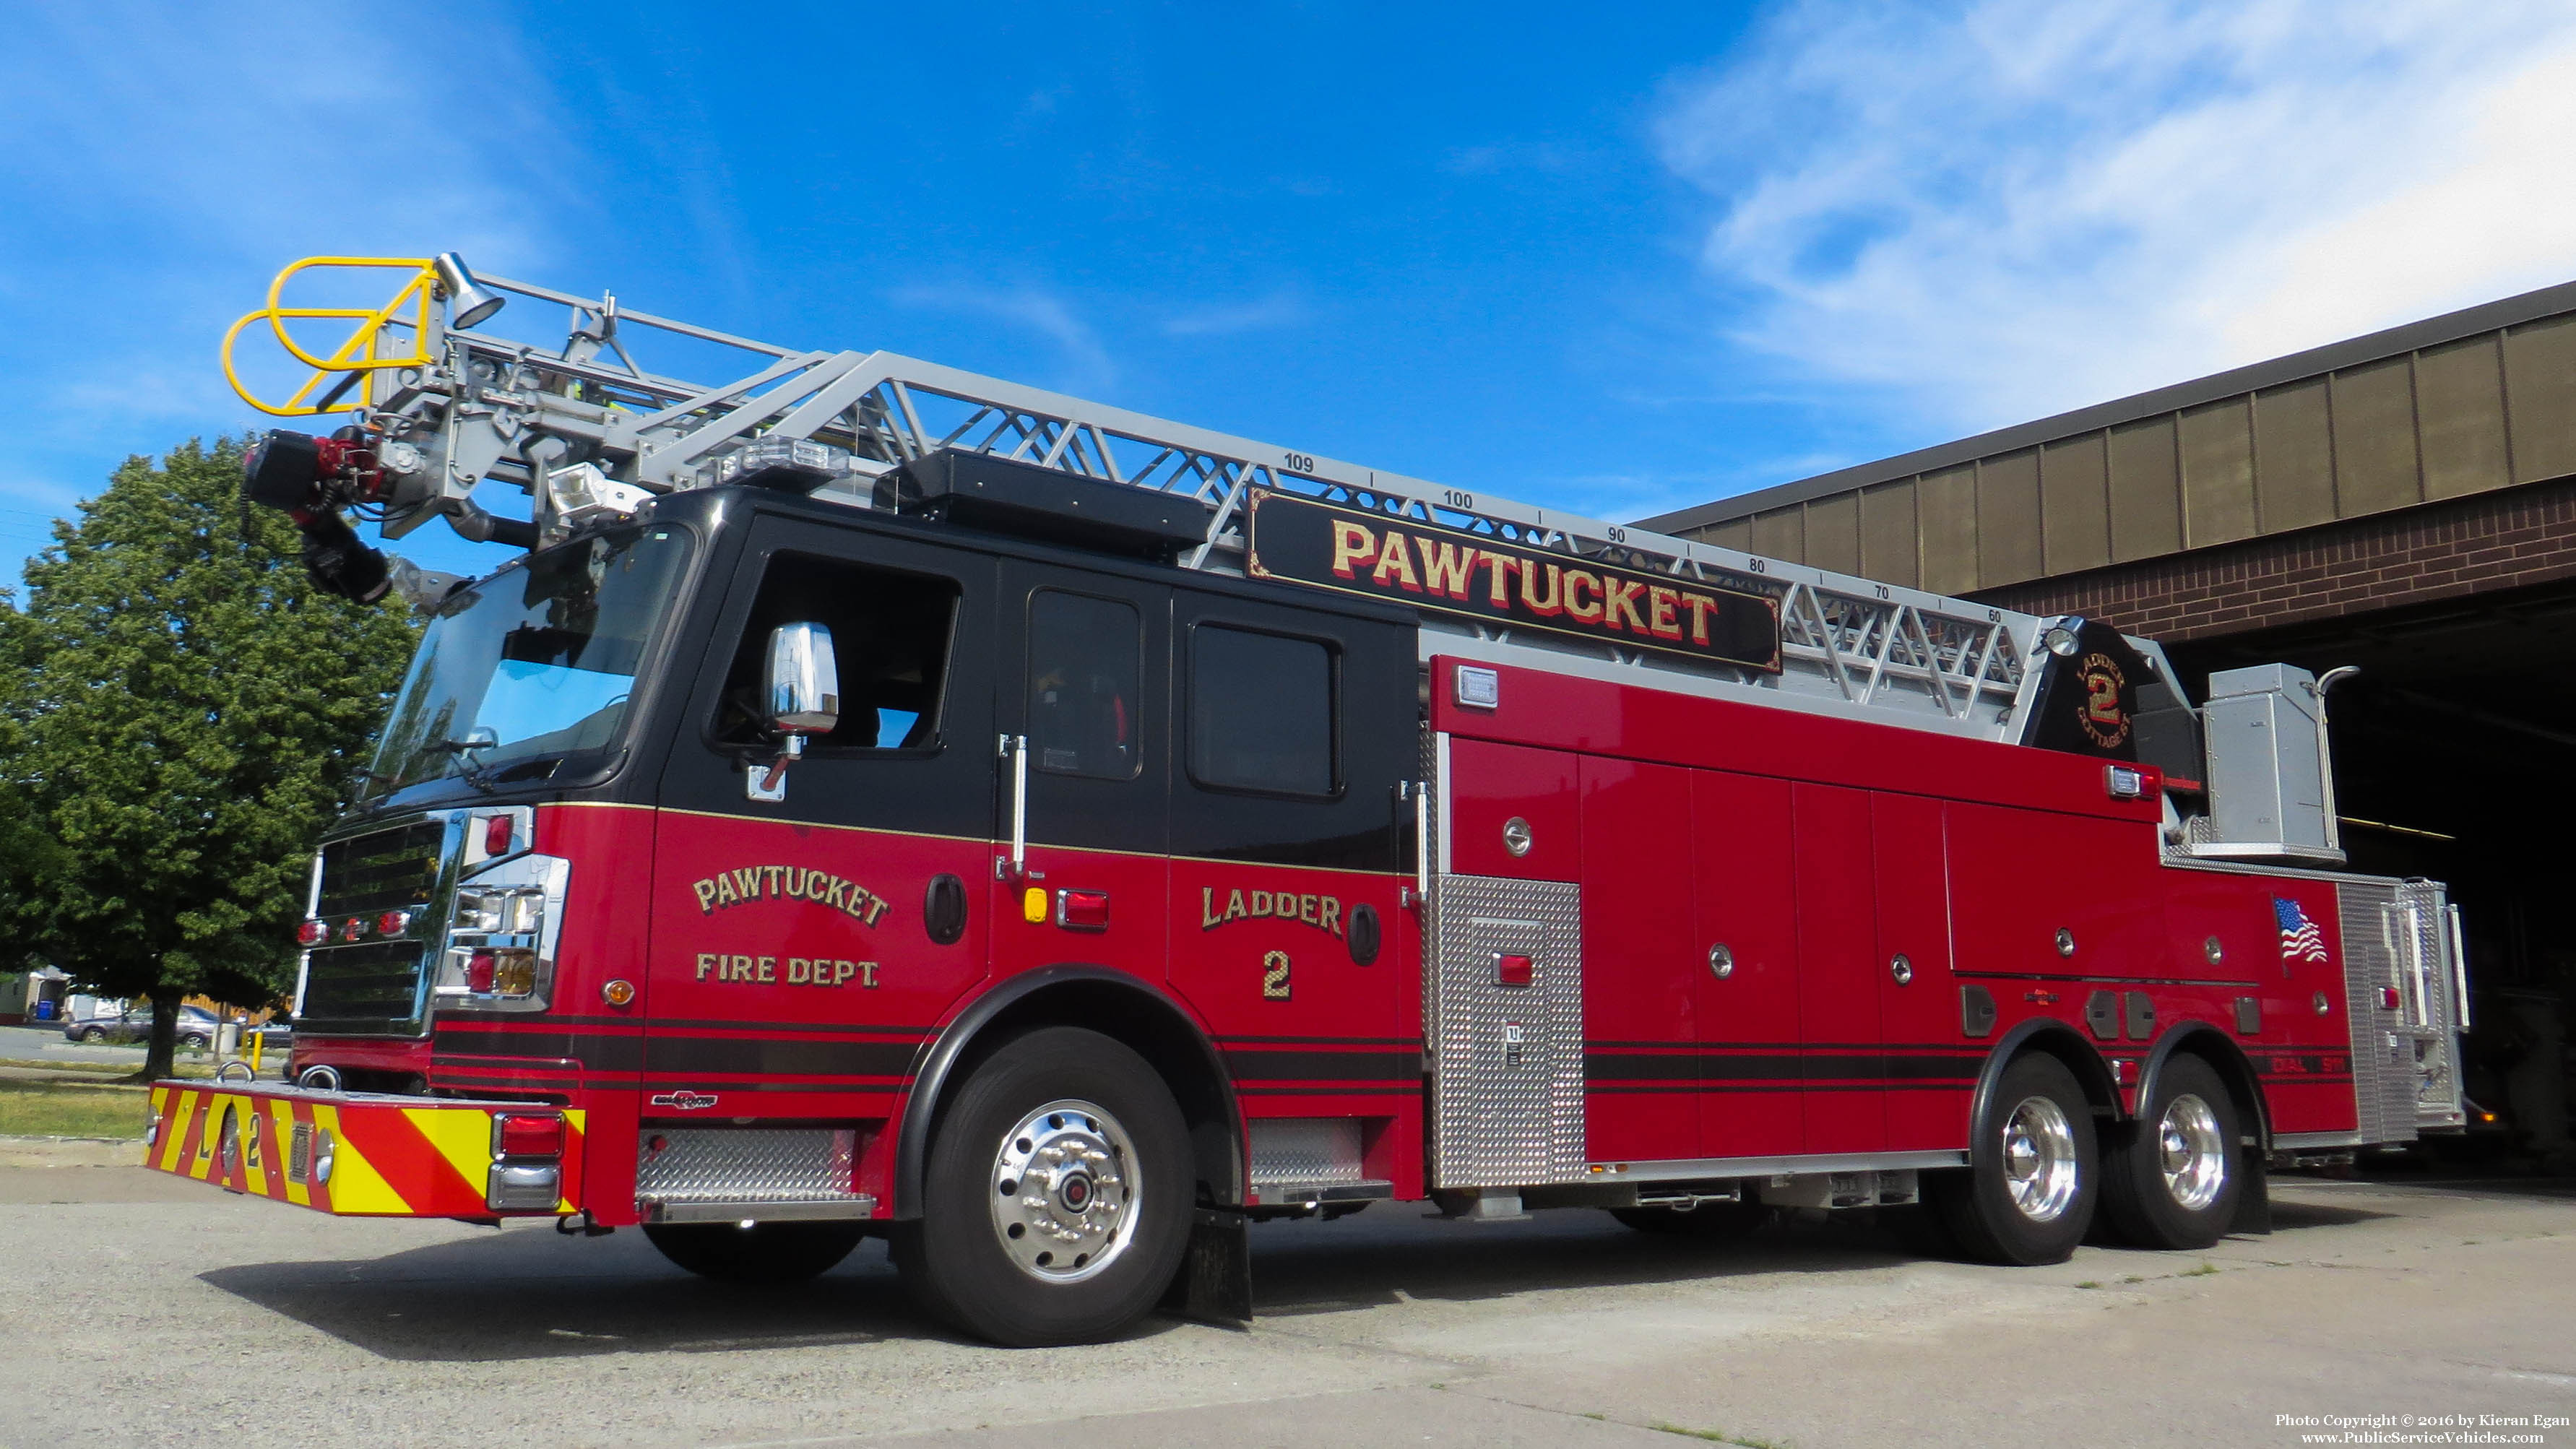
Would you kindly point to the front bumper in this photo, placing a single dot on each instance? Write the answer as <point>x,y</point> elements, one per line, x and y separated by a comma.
<point>356,1154</point>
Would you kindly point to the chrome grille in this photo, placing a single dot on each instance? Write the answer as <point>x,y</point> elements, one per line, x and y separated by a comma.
<point>386,870</point>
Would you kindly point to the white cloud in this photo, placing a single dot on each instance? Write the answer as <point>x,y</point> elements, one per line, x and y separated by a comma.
<point>1088,368</point>
<point>1226,319</point>
<point>2000,210</point>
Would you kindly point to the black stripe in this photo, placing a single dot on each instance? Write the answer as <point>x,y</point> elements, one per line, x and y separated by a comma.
<point>752,1056</point>
<point>1357,1041</point>
<point>1319,1066</point>
<point>591,1049</point>
<point>1356,1089</point>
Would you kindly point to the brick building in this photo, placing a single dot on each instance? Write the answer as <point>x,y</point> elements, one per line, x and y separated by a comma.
<point>2405,502</point>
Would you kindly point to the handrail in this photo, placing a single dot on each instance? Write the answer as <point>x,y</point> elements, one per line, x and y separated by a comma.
<point>357,356</point>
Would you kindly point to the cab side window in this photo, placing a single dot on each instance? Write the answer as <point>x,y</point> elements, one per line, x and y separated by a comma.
<point>1086,671</point>
<point>1264,713</point>
<point>891,636</point>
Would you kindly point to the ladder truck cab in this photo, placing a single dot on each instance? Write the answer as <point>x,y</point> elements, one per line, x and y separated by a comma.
<point>884,800</point>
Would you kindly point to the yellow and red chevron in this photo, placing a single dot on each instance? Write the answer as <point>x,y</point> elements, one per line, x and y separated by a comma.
<point>389,1156</point>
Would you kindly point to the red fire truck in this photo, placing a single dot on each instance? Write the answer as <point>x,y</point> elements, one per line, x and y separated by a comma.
<point>884,800</point>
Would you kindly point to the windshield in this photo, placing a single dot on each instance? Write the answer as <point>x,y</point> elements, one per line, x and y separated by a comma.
<point>533,664</point>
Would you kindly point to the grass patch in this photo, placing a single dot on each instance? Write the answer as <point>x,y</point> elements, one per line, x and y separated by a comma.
<point>66,1109</point>
<point>2205,1270</point>
<point>2090,1283</point>
<point>1712,1436</point>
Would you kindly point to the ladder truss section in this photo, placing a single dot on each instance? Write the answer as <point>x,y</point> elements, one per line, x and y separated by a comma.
<point>1848,644</point>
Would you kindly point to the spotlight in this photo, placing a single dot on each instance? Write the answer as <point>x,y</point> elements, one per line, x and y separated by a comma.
<point>2062,636</point>
<point>469,302</point>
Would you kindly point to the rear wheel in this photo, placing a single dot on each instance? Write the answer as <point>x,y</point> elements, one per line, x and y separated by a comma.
<point>2172,1180</point>
<point>760,1253</point>
<point>2028,1193</point>
<point>1056,1198</point>
<point>91,1033</point>
<point>1708,1220</point>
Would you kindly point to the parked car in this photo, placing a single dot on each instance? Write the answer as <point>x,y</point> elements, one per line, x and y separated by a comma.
<point>196,1027</point>
<point>276,1037</point>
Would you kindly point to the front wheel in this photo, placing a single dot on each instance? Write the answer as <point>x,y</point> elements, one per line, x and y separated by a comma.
<point>193,1042</point>
<point>2027,1195</point>
<point>92,1034</point>
<point>2172,1180</point>
<point>789,1252</point>
<point>1056,1199</point>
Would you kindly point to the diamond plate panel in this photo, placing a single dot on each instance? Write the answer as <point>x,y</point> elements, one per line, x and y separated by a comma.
<point>745,1164</point>
<point>2383,1063</point>
<point>1305,1151</point>
<point>2429,977</point>
<point>1507,1062</point>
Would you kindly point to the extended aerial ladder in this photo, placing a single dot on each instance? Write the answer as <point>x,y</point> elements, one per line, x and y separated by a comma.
<point>444,404</point>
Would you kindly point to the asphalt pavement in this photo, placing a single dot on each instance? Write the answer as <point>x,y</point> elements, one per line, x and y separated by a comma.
<point>142,1309</point>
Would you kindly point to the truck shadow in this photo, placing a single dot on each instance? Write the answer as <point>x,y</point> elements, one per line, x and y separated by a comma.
<point>528,1294</point>
<point>532,1295</point>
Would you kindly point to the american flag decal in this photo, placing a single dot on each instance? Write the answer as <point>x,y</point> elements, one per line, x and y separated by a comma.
<point>2300,940</point>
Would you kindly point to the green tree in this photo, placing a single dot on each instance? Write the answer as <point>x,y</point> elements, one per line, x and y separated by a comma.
<point>193,715</point>
<point>26,850</point>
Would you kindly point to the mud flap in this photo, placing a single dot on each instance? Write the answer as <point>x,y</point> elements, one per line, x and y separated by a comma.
<point>1214,1285</point>
<point>2254,1198</point>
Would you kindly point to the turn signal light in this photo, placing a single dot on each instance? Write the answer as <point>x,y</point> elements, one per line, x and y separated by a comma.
<point>354,928</point>
<point>312,933</point>
<point>393,923</point>
<point>524,1135</point>
<point>1082,910</point>
<point>479,969</point>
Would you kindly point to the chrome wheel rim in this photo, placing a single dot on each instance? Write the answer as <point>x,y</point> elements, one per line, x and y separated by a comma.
<point>2039,1159</point>
<point>1064,1190</point>
<point>2192,1153</point>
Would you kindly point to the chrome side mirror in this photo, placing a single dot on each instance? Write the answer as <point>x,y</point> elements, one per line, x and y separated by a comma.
<point>800,695</point>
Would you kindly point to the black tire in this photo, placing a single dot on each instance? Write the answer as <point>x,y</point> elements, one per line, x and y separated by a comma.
<point>761,1253</point>
<point>2037,1117</point>
<point>961,1260</point>
<point>2189,1127</point>
<point>1710,1220</point>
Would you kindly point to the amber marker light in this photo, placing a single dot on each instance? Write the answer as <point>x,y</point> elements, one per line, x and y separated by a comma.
<point>1033,906</point>
<point>618,993</point>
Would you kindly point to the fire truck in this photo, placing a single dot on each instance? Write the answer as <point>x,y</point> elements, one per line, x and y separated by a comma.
<point>882,800</point>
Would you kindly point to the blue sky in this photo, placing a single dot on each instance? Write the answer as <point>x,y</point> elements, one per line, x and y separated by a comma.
<point>1620,259</point>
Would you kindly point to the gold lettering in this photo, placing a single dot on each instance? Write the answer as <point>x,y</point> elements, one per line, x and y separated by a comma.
<point>1209,920</point>
<point>1699,605</point>
<point>1353,543</point>
<point>799,971</point>
<point>843,970</point>
<point>877,908</point>
<point>1581,613</point>
<point>1549,606</point>
<point>1619,596</point>
<point>1260,905</point>
<point>1395,562</point>
<point>1234,910</point>
<point>1500,584</point>
<point>1333,914</point>
<point>767,969</point>
<point>726,895</point>
<point>1306,909</point>
<point>746,882</point>
<point>868,975</point>
<point>706,963</point>
<point>1447,571</point>
<point>706,890</point>
<point>1660,617</point>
